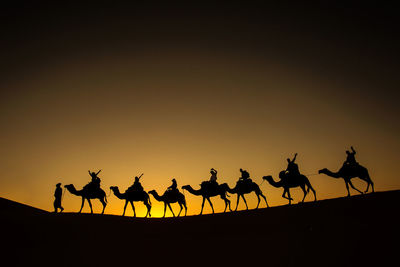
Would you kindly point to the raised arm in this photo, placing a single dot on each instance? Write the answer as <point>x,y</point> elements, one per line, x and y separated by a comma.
<point>352,149</point>
<point>294,158</point>
<point>98,172</point>
<point>140,175</point>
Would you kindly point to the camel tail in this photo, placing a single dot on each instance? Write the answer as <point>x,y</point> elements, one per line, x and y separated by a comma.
<point>105,198</point>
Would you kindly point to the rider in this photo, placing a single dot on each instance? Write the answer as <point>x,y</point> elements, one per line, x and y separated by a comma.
<point>137,186</point>
<point>245,176</point>
<point>350,160</point>
<point>213,177</point>
<point>292,168</point>
<point>95,182</point>
<point>173,187</point>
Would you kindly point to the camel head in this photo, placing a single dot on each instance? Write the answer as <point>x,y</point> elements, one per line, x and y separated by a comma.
<point>114,188</point>
<point>69,186</point>
<point>152,191</point>
<point>323,170</point>
<point>268,178</point>
<point>186,187</point>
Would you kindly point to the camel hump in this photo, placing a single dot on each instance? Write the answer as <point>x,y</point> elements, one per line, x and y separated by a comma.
<point>353,168</point>
<point>209,185</point>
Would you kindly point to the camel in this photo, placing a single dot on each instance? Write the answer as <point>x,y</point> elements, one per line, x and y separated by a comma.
<point>246,187</point>
<point>350,172</point>
<point>291,182</point>
<point>170,197</point>
<point>206,193</point>
<point>130,196</point>
<point>88,194</point>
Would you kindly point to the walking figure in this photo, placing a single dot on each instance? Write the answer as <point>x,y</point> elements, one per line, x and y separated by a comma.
<point>57,201</point>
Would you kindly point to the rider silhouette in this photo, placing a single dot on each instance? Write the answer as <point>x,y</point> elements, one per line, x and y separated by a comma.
<point>137,186</point>
<point>350,160</point>
<point>213,177</point>
<point>58,196</point>
<point>173,187</point>
<point>95,182</point>
<point>292,168</point>
<point>245,176</point>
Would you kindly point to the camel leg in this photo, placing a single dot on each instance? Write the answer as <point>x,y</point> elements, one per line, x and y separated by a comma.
<point>169,206</point>
<point>347,187</point>
<point>289,197</point>
<point>245,202</point>
<point>184,204</point>
<point>312,189</point>
<point>83,203</point>
<point>148,206</point>
<point>202,206</point>
<point>227,202</point>
<point>265,199</point>
<point>237,202</point>
<point>303,187</point>
<point>258,200</point>
<point>209,201</point>
<point>180,205</point>
<point>285,191</point>
<point>165,209</point>
<point>148,209</point>
<point>90,205</point>
<point>126,203</point>
<point>369,182</point>
<point>104,205</point>
<point>352,186</point>
<point>133,208</point>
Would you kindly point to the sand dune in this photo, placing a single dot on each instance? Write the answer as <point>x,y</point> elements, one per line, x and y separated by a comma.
<point>355,231</point>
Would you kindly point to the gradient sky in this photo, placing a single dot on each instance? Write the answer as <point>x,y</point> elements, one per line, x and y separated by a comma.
<point>174,91</point>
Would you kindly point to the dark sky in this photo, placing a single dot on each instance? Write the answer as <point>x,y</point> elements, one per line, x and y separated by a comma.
<point>178,81</point>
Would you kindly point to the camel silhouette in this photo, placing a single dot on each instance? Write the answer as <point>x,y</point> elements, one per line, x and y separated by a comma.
<point>170,197</point>
<point>246,187</point>
<point>348,172</point>
<point>89,194</point>
<point>132,195</point>
<point>291,182</point>
<point>207,192</point>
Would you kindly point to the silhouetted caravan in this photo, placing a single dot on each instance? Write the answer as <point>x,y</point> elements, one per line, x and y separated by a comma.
<point>293,181</point>
<point>351,169</point>
<point>133,195</point>
<point>210,189</point>
<point>170,196</point>
<point>245,186</point>
<point>89,193</point>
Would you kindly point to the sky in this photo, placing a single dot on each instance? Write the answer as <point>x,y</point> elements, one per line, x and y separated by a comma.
<point>174,90</point>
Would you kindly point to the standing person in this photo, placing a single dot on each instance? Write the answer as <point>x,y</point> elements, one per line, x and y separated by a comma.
<point>58,196</point>
<point>213,177</point>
